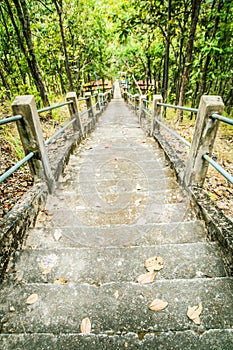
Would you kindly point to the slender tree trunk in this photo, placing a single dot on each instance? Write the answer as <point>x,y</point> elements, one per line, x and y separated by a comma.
<point>67,66</point>
<point>208,57</point>
<point>28,52</point>
<point>196,5</point>
<point>166,55</point>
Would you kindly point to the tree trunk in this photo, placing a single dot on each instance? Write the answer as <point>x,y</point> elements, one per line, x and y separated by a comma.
<point>29,52</point>
<point>196,5</point>
<point>166,55</point>
<point>67,66</point>
<point>208,57</point>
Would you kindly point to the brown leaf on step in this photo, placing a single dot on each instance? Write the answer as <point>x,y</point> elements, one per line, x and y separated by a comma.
<point>61,280</point>
<point>146,277</point>
<point>46,271</point>
<point>85,326</point>
<point>57,234</point>
<point>45,211</point>
<point>194,312</point>
<point>32,299</point>
<point>158,305</point>
<point>154,263</point>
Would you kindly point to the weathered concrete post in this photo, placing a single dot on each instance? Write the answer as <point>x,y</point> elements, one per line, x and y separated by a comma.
<point>32,139</point>
<point>136,101</point>
<point>203,140</point>
<point>89,104</point>
<point>74,111</point>
<point>142,101</point>
<point>101,99</point>
<point>97,101</point>
<point>156,112</point>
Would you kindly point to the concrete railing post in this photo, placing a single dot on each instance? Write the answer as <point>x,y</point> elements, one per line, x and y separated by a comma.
<point>89,104</point>
<point>156,112</point>
<point>136,101</point>
<point>101,99</point>
<point>203,140</point>
<point>74,111</point>
<point>142,101</point>
<point>32,139</point>
<point>97,100</point>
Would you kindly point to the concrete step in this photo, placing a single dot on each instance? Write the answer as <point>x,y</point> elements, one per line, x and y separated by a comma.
<point>106,265</point>
<point>116,308</point>
<point>75,198</point>
<point>213,339</point>
<point>115,235</point>
<point>94,211</point>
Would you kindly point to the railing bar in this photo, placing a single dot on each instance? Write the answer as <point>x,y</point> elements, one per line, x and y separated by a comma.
<point>53,107</point>
<point>16,167</point>
<point>174,133</point>
<point>82,98</point>
<point>218,168</point>
<point>58,132</point>
<point>195,110</point>
<point>11,119</point>
<point>222,119</point>
<point>147,112</point>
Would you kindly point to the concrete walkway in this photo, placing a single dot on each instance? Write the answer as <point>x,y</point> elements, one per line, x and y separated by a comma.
<point>117,204</point>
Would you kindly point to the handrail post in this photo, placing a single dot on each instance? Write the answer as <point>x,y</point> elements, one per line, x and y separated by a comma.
<point>97,101</point>
<point>136,101</point>
<point>30,132</point>
<point>142,100</point>
<point>74,111</point>
<point>203,140</point>
<point>156,112</point>
<point>89,104</point>
<point>101,99</point>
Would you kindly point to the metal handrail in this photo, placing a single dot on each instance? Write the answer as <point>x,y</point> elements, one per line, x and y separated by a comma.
<point>10,119</point>
<point>222,119</point>
<point>174,133</point>
<point>218,168</point>
<point>16,167</point>
<point>194,110</point>
<point>53,107</point>
<point>60,131</point>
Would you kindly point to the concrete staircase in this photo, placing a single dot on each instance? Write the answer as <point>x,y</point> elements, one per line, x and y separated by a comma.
<point>117,204</point>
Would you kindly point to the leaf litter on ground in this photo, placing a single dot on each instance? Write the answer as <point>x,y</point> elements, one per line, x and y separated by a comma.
<point>85,326</point>
<point>158,305</point>
<point>32,299</point>
<point>152,265</point>
<point>194,312</point>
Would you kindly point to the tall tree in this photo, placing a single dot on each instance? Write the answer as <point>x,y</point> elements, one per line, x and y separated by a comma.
<point>59,9</point>
<point>196,5</point>
<point>26,44</point>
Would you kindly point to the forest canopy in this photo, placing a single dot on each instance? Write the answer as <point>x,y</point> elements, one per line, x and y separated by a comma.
<point>182,49</point>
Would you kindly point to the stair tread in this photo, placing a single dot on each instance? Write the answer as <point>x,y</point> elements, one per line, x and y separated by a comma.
<point>104,265</point>
<point>116,235</point>
<point>213,339</point>
<point>60,308</point>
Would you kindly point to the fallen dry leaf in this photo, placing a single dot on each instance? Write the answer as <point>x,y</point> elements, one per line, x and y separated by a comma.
<point>32,299</point>
<point>61,280</point>
<point>154,263</point>
<point>147,277</point>
<point>85,326</point>
<point>158,305</point>
<point>194,312</point>
<point>57,234</point>
<point>46,271</point>
<point>116,294</point>
<point>138,202</point>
